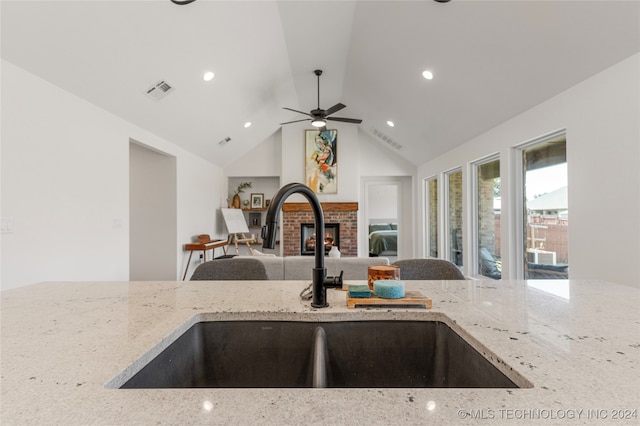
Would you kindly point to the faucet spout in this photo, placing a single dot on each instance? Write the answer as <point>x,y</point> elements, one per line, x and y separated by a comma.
<point>319,299</point>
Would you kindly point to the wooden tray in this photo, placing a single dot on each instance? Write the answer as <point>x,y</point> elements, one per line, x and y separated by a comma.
<point>412,299</point>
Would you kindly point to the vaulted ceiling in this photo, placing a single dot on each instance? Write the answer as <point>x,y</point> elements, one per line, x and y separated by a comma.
<point>491,60</point>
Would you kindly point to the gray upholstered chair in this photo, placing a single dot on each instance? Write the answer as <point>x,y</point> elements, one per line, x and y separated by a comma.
<point>428,269</point>
<point>230,269</point>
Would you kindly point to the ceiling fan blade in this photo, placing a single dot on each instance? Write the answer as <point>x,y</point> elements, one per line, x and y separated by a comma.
<point>295,121</point>
<point>346,120</point>
<point>295,110</point>
<point>337,107</point>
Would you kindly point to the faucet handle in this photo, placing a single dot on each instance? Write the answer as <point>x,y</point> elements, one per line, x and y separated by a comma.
<point>334,281</point>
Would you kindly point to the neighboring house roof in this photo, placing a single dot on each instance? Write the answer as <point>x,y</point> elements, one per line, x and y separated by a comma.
<point>555,200</point>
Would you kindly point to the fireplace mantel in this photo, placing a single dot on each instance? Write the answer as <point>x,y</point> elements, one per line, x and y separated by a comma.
<point>326,207</point>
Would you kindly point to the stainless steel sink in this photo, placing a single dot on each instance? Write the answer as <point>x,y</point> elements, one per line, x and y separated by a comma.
<point>344,354</point>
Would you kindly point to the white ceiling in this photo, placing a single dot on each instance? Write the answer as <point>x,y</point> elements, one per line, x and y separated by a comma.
<point>492,60</point>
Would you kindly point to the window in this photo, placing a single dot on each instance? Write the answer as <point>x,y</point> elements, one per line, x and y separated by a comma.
<point>546,211</point>
<point>487,225</point>
<point>454,215</point>
<point>432,217</point>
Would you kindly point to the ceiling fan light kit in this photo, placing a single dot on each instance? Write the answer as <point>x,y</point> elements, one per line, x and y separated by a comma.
<point>320,116</point>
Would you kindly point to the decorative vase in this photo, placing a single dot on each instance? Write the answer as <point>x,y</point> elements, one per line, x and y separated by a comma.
<point>334,252</point>
<point>236,201</point>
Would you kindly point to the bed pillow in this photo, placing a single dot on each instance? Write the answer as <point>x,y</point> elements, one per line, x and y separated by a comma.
<point>393,226</point>
<point>379,227</point>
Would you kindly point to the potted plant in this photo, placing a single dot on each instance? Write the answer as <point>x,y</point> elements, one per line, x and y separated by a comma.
<point>236,194</point>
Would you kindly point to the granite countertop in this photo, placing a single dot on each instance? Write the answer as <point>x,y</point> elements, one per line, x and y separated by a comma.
<point>62,342</point>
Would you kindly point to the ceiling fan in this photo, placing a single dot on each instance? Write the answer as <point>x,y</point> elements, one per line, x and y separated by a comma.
<point>319,116</point>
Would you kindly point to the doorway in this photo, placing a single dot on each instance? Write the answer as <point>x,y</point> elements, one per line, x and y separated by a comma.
<point>385,225</point>
<point>152,214</point>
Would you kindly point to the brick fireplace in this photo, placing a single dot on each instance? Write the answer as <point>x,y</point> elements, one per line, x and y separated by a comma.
<point>296,214</point>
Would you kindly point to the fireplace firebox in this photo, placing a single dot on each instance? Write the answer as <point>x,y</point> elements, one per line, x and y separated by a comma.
<point>308,237</point>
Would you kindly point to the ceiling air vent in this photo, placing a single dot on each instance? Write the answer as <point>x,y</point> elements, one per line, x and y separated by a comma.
<point>386,139</point>
<point>159,90</point>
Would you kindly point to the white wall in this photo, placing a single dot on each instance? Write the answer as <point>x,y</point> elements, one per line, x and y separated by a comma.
<point>263,160</point>
<point>375,159</point>
<point>65,184</point>
<point>601,116</point>
<point>383,201</point>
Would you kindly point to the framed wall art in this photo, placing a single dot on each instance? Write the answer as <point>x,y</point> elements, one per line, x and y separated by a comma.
<point>321,161</point>
<point>257,201</point>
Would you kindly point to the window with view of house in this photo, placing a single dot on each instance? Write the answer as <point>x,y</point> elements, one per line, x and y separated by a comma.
<point>487,225</point>
<point>546,210</point>
<point>453,183</point>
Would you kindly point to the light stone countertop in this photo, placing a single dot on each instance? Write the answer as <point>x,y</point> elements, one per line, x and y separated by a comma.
<point>61,343</point>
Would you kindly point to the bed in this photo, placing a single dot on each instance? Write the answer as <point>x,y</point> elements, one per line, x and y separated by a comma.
<point>383,238</point>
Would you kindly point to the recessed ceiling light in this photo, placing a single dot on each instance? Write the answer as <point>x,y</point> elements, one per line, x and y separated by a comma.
<point>208,76</point>
<point>247,124</point>
<point>390,123</point>
<point>427,74</point>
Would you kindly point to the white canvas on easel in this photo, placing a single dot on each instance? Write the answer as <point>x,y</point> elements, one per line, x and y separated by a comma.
<point>237,225</point>
<point>234,219</point>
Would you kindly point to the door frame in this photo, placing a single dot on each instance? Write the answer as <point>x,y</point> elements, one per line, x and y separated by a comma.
<point>404,208</point>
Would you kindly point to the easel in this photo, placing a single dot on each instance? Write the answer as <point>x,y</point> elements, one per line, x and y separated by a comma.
<point>237,228</point>
<point>239,238</point>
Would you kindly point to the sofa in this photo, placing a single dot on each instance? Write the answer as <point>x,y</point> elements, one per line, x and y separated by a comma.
<point>300,267</point>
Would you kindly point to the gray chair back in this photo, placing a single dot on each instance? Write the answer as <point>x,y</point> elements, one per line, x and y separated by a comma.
<point>230,270</point>
<point>428,269</point>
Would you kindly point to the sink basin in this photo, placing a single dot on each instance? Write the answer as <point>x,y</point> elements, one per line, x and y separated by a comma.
<point>344,354</point>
